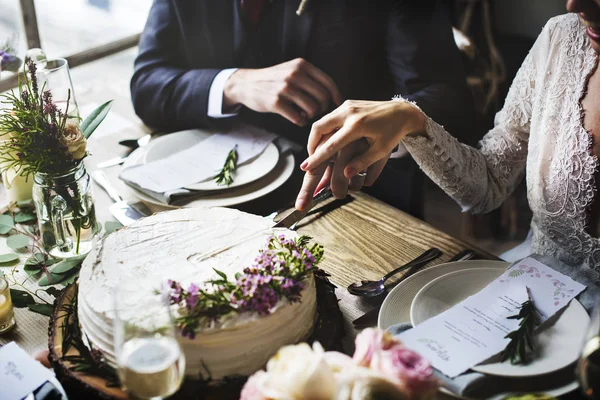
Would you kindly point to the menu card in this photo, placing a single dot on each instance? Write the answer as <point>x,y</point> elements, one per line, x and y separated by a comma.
<point>474,330</point>
<point>19,373</point>
<point>199,162</point>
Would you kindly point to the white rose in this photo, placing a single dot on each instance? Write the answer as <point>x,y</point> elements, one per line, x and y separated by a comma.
<point>296,373</point>
<point>74,140</point>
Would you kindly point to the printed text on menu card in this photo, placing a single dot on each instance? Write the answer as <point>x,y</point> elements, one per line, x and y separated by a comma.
<point>474,330</point>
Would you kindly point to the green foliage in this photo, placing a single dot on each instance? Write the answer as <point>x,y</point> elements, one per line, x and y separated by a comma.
<point>44,309</point>
<point>522,339</point>
<point>24,217</point>
<point>20,298</point>
<point>9,259</point>
<point>66,265</point>
<point>111,226</point>
<point>18,241</point>
<point>89,125</point>
<point>6,224</point>
<point>225,176</point>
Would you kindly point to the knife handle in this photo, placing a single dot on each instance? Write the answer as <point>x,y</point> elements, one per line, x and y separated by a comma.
<point>102,180</point>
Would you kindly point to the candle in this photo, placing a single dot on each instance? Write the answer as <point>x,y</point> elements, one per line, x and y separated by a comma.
<point>7,318</point>
<point>18,187</point>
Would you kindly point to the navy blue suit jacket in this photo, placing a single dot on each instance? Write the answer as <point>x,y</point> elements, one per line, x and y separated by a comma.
<point>373,49</point>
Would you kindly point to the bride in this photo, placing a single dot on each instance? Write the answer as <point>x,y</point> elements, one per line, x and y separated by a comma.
<point>548,132</point>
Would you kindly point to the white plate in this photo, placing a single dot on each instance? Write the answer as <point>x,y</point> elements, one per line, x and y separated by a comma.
<point>274,179</point>
<point>441,293</point>
<point>396,306</point>
<point>396,309</point>
<point>249,172</point>
<point>558,345</point>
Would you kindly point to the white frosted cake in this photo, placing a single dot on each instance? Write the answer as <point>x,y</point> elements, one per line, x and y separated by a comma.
<point>172,246</point>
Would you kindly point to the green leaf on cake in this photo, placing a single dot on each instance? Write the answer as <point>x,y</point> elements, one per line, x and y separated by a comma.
<point>20,298</point>
<point>23,217</point>
<point>66,265</point>
<point>6,224</point>
<point>44,309</point>
<point>221,274</point>
<point>7,259</point>
<point>18,241</point>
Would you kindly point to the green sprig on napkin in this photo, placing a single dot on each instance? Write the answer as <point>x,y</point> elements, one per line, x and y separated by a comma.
<point>522,338</point>
<point>225,176</point>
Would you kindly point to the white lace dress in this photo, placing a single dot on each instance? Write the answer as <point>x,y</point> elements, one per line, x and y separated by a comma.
<point>538,134</point>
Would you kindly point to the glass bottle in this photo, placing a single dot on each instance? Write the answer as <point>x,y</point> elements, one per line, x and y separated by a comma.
<point>65,212</point>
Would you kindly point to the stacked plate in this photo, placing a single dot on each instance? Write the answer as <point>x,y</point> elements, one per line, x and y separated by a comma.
<point>436,289</point>
<point>254,179</point>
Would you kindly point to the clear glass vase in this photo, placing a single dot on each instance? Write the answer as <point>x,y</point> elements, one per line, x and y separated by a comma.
<point>65,211</point>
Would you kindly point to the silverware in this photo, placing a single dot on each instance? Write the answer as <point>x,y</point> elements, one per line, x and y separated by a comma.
<point>370,317</point>
<point>141,142</point>
<point>375,288</point>
<point>294,216</point>
<point>124,212</point>
<point>135,143</point>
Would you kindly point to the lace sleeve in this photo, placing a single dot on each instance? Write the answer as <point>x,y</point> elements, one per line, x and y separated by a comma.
<point>481,179</point>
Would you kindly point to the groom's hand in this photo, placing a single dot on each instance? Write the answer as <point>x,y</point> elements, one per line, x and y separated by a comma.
<point>296,90</point>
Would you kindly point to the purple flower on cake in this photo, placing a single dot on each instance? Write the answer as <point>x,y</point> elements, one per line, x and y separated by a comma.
<point>277,273</point>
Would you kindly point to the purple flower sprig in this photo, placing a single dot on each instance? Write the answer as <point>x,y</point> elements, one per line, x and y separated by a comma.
<point>8,60</point>
<point>277,273</point>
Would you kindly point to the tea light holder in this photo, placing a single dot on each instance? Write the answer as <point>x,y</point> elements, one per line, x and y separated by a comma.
<point>7,315</point>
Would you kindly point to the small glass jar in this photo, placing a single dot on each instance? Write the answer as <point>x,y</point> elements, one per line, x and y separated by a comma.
<point>65,211</point>
<point>7,316</point>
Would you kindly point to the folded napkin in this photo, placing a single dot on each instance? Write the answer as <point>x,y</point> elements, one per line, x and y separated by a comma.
<point>171,174</point>
<point>479,386</point>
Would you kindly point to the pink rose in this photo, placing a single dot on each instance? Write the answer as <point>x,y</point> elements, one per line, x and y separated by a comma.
<point>250,390</point>
<point>412,372</point>
<point>369,342</point>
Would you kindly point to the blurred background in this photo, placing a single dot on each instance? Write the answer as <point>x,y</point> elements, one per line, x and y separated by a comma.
<point>99,39</point>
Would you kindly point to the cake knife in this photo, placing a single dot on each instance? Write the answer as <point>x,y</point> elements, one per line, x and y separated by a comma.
<point>289,221</point>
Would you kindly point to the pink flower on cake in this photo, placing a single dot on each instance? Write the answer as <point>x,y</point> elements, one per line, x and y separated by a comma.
<point>412,372</point>
<point>369,342</point>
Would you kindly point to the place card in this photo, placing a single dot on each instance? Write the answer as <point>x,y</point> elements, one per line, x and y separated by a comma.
<point>199,162</point>
<point>19,373</point>
<point>475,329</point>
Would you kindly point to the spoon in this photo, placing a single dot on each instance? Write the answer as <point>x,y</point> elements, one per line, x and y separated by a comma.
<point>375,288</point>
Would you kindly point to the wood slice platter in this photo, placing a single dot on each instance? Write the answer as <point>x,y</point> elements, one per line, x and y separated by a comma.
<point>84,375</point>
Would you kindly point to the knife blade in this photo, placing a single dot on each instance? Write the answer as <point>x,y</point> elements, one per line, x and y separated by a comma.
<point>294,216</point>
<point>123,211</point>
<point>370,317</point>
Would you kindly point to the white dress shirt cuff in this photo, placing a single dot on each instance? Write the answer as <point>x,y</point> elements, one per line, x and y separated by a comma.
<point>215,95</point>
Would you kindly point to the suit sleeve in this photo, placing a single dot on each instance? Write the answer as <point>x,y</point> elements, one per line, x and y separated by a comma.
<point>427,66</point>
<point>166,95</point>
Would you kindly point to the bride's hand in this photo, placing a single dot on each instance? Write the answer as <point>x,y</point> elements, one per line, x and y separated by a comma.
<point>379,124</point>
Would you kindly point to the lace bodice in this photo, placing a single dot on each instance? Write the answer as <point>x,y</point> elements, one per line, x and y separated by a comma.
<point>538,134</point>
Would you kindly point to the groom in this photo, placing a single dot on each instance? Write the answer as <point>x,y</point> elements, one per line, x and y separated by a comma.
<point>282,64</point>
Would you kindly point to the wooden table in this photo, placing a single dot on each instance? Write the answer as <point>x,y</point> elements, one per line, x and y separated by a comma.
<point>363,239</point>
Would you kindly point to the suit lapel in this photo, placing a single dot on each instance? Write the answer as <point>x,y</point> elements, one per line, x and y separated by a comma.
<point>216,17</point>
<point>296,29</point>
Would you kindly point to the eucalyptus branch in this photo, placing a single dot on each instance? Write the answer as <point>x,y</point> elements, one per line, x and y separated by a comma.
<point>522,338</point>
<point>225,176</point>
